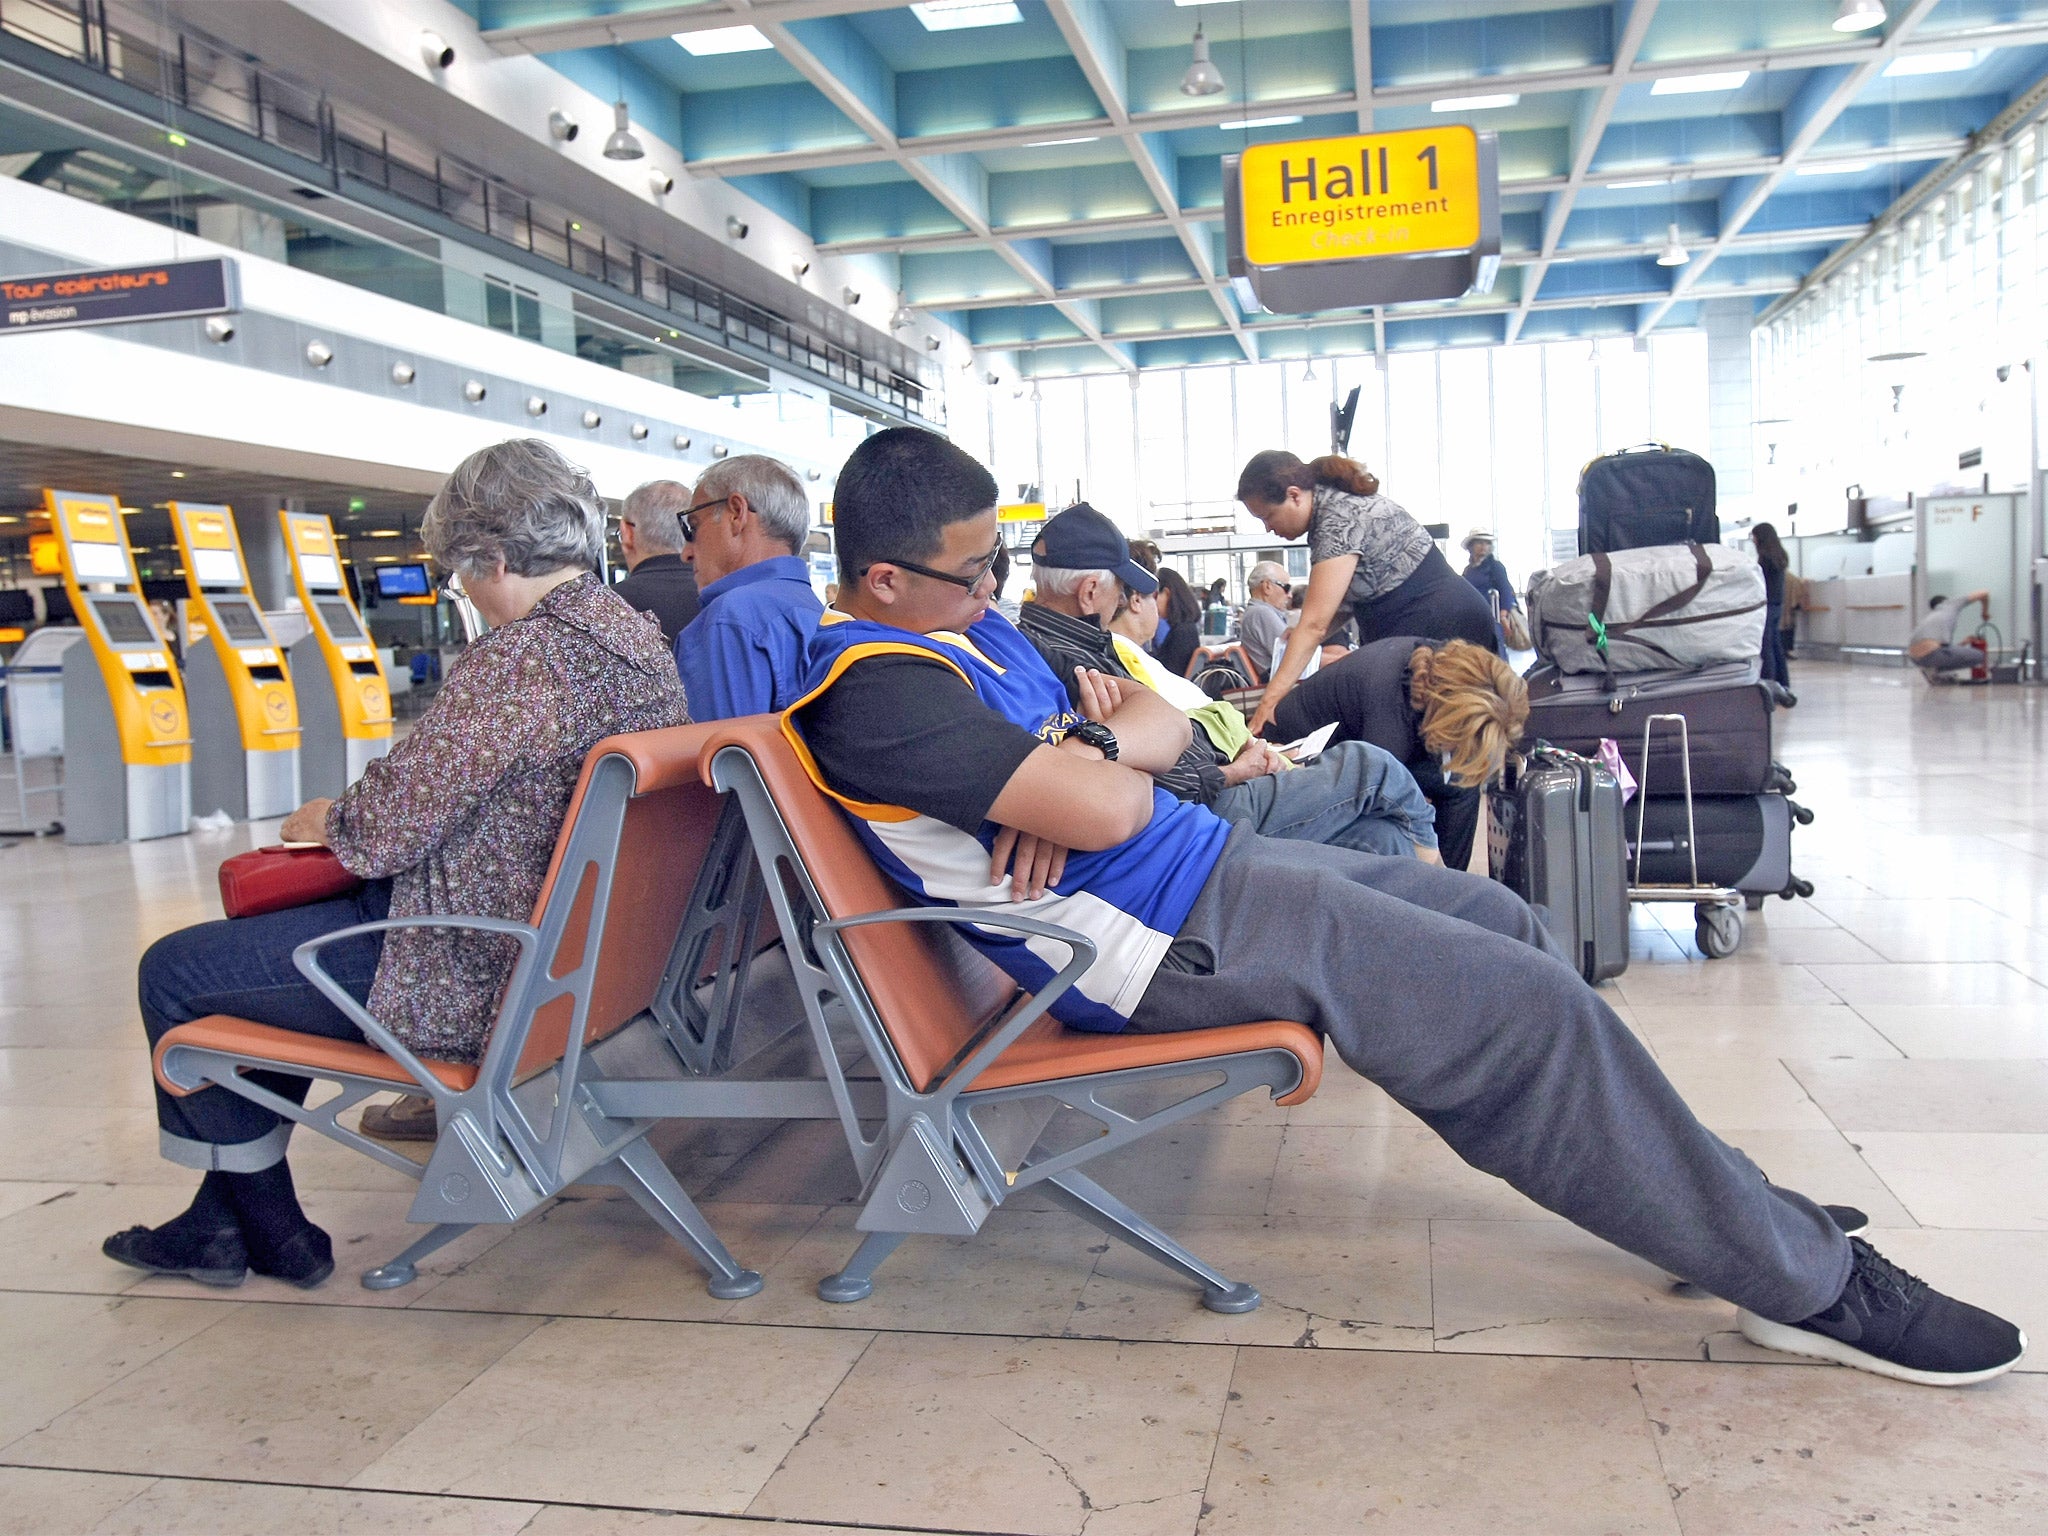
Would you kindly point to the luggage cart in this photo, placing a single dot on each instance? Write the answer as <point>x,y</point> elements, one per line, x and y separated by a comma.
<point>1717,909</point>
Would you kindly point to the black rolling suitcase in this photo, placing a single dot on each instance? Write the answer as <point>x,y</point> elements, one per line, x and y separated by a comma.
<point>1727,708</point>
<point>1744,841</point>
<point>1646,495</point>
<point>1555,838</point>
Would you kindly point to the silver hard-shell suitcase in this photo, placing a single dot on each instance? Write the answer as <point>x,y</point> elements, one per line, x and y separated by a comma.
<point>1556,838</point>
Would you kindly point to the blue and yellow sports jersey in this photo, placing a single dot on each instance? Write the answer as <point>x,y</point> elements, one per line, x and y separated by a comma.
<point>1130,900</point>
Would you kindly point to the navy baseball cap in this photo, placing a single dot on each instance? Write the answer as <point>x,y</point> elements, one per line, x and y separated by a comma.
<point>1082,539</point>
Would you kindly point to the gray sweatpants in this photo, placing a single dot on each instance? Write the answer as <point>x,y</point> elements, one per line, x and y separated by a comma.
<point>1445,989</point>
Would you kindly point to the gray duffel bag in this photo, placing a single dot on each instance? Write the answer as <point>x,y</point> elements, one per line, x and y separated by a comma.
<point>1647,610</point>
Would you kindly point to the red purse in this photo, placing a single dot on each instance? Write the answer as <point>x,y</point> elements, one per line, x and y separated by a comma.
<point>272,879</point>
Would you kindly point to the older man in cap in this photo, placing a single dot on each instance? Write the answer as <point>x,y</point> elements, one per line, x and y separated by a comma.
<point>1352,796</point>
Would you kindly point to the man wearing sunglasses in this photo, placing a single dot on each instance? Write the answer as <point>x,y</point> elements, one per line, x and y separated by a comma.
<point>975,783</point>
<point>744,652</point>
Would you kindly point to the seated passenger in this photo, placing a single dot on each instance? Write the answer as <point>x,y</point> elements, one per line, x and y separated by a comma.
<point>1182,611</point>
<point>1450,710</point>
<point>1933,647</point>
<point>975,780</point>
<point>651,539</point>
<point>1262,627</point>
<point>744,652</point>
<point>1351,797</point>
<point>462,817</point>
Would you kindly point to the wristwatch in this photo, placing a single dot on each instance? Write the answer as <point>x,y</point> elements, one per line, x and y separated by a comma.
<point>1100,737</point>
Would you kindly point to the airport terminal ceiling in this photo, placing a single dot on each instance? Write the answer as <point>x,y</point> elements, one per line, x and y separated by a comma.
<point>1048,187</point>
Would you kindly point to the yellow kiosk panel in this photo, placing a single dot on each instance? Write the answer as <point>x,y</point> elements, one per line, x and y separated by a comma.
<point>344,697</point>
<point>1370,194</point>
<point>253,662</point>
<point>134,660</point>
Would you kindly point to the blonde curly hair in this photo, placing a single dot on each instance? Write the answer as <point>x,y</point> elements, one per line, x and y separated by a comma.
<point>1473,707</point>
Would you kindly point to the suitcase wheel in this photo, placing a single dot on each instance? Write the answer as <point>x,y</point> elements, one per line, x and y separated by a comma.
<point>1800,813</point>
<point>1717,931</point>
<point>1753,901</point>
<point>1798,887</point>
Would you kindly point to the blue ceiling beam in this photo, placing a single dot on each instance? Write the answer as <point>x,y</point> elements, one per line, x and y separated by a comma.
<point>972,98</point>
<point>1661,143</point>
<point>1027,322</point>
<point>852,61</point>
<point>1106,263</point>
<point>939,277</point>
<point>1463,48</point>
<point>762,119</point>
<point>877,211</point>
<point>1024,198</point>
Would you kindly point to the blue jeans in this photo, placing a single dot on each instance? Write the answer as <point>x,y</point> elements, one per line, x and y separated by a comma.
<point>1354,796</point>
<point>243,967</point>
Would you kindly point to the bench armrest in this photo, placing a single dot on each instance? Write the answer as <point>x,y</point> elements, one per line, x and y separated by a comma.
<point>305,957</point>
<point>1080,955</point>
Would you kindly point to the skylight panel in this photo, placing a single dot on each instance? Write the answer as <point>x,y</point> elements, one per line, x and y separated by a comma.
<point>959,15</point>
<point>717,40</point>
<point>1688,85</point>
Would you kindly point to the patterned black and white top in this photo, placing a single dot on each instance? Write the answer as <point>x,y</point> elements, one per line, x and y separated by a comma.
<point>1387,539</point>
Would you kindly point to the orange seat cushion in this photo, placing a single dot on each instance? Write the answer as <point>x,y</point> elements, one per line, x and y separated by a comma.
<point>1049,1052</point>
<point>288,1050</point>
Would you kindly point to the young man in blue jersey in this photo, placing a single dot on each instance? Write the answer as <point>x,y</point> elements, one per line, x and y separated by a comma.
<point>973,781</point>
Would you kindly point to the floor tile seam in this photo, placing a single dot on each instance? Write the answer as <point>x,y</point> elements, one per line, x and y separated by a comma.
<point>1216,1441</point>
<point>817,1416</point>
<point>1650,1433</point>
<point>148,1358</point>
<point>881,1330</point>
<point>767,1522</point>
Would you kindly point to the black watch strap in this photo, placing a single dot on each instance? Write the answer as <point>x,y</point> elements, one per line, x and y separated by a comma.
<point>1100,737</point>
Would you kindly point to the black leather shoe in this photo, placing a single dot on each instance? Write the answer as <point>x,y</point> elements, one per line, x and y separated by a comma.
<point>304,1259</point>
<point>220,1260</point>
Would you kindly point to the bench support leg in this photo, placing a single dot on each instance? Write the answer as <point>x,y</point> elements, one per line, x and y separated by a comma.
<point>404,1269</point>
<point>856,1282</point>
<point>1094,1204</point>
<point>643,1175</point>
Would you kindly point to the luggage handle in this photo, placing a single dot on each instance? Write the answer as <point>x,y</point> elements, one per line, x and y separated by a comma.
<point>1643,794</point>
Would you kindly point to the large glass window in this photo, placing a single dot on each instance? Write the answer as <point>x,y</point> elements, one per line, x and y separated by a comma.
<point>1112,483</point>
<point>1413,461</point>
<point>1467,459</point>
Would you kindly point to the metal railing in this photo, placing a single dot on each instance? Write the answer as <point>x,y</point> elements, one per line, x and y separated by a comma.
<point>205,78</point>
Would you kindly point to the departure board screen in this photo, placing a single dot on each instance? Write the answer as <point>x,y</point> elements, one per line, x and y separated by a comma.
<point>238,622</point>
<point>124,621</point>
<point>340,622</point>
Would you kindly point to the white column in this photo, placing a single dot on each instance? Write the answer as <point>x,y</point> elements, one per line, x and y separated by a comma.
<point>1730,438</point>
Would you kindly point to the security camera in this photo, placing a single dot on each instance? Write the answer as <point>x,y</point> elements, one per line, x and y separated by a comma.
<point>220,328</point>
<point>799,269</point>
<point>931,343</point>
<point>434,51</point>
<point>2004,372</point>
<point>735,227</point>
<point>562,127</point>
<point>851,294</point>
<point>660,183</point>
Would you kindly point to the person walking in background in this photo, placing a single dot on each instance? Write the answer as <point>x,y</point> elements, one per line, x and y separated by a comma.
<point>1365,551</point>
<point>1770,554</point>
<point>1489,579</point>
<point>651,539</point>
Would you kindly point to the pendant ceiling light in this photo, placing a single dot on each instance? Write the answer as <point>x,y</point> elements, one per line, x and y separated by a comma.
<point>1859,15</point>
<point>1673,254</point>
<point>1202,78</point>
<point>622,145</point>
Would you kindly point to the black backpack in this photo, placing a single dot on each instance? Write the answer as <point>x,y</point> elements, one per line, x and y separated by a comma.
<point>1644,496</point>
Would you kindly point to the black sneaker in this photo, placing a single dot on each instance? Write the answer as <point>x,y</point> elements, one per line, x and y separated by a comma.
<point>1895,1324</point>
<point>1854,1223</point>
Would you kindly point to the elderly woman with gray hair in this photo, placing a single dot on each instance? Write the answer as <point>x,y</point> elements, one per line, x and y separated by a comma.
<point>462,818</point>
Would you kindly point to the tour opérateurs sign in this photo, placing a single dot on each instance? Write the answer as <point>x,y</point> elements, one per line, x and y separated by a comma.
<point>163,290</point>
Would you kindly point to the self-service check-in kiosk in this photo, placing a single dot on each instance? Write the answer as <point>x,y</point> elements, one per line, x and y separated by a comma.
<point>344,698</point>
<point>127,740</point>
<point>245,718</point>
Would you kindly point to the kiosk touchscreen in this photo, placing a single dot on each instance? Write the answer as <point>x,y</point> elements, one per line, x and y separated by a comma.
<point>127,743</point>
<point>344,697</point>
<point>245,717</point>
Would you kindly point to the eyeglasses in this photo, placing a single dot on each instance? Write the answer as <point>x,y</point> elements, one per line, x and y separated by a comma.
<point>969,582</point>
<point>688,517</point>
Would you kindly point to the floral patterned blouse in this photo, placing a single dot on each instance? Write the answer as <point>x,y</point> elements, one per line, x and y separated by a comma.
<point>1385,536</point>
<point>464,813</point>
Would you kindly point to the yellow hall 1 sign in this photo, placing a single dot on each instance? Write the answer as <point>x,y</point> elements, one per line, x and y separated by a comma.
<point>1374,194</point>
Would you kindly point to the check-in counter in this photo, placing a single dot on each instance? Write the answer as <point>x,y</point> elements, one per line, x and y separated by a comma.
<point>245,716</point>
<point>344,698</point>
<point>127,737</point>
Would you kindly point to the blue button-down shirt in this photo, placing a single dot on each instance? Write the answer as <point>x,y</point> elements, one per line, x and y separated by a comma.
<point>744,652</point>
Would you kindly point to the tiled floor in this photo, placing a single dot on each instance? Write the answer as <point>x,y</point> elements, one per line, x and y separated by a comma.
<point>1434,1354</point>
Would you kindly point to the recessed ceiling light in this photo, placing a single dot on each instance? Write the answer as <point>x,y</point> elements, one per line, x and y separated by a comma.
<point>1687,85</point>
<point>1838,168</point>
<point>716,40</point>
<point>1472,103</point>
<point>383,533</point>
<point>1858,15</point>
<point>1259,122</point>
<point>1630,186</point>
<point>177,474</point>
<point>1947,63</point>
<point>958,15</point>
<point>1185,3</point>
<point>1055,143</point>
